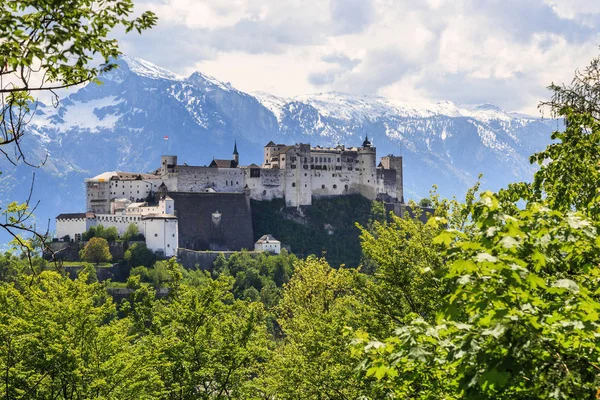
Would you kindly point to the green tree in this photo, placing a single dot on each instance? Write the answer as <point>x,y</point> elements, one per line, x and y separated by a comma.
<point>60,338</point>
<point>408,265</point>
<point>520,305</point>
<point>207,345</point>
<point>318,305</point>
<point>132,233</point>
<point>96,251</point>
<point>111,234</point>
<point>90,273</point>
<point>139,254</point>
<point>425,202</point>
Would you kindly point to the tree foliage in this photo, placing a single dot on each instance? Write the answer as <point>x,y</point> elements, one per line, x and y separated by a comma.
<point>139,255</point>
<point>96,251</point>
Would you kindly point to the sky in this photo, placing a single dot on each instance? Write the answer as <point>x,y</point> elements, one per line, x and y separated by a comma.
<point>504,52</point>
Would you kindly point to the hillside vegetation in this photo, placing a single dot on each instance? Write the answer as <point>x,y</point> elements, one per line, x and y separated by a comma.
<point>327,228</point>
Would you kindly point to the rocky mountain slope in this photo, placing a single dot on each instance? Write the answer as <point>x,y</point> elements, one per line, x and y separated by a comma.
<point>121,125</point>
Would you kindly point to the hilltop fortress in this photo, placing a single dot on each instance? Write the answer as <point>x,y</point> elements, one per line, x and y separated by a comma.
<point>208,207</point>
<point>296,173</point>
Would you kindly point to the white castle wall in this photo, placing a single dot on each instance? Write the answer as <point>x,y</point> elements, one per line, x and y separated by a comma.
<point>71,227</point>
<point>161,235</point>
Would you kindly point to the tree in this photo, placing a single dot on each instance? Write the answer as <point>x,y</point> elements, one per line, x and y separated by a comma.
<point>47,45</point>
<point>408,267</point>
<point>96,251</point>
<point>139,254</point>
<point>318,305</point>
<point>207,345</point>
<point>520,305</point>
<point>111,234</point>
<point>425,202</point>
<point>582,95</point>
<point>132,233</point>
<point>60,338</point>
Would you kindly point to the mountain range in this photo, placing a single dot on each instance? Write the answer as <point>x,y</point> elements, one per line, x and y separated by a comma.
<point>122,123</point>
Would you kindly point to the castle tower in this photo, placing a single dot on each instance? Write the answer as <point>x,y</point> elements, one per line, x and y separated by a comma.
<point>167,164</point>
<point>395,163</point>
<point>368,170</point>
<point>236,155</point>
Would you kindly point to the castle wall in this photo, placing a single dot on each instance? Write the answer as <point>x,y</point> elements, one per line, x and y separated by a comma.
<point>268,186</point>
<point>162,235</point>
<point>213,221</point>
<point>71,227</point>
<point>198,179</point>
<point>121,222</point>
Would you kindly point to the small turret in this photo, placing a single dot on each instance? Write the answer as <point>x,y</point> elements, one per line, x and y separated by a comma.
<point>366,143</point>
<point>236,155</point>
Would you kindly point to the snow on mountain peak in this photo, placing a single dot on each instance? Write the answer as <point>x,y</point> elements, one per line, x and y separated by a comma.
<point>145,68</point>
<point>272,103</point>
<point>207,80</point>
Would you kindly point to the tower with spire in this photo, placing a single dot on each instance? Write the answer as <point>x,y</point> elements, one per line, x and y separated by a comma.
<point>236,155</point>
<point>367,142</point>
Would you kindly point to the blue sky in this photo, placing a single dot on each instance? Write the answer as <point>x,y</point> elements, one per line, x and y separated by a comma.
<point>503,52</point>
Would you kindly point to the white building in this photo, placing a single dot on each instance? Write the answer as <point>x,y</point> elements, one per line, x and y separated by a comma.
<point>157,223</point>
<point>268,243</point>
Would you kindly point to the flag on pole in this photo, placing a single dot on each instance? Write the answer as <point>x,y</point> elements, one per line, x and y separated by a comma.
<point>166,138</point>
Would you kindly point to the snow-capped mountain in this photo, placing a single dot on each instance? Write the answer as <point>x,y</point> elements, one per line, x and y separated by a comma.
<point>121,125</point>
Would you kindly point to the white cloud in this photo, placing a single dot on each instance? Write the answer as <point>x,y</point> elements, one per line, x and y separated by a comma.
<point>462,50</point>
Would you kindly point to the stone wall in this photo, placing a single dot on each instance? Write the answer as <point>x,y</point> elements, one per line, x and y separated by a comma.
<point>197,179</point>
<point>214,221</point>
<point>203,260</point>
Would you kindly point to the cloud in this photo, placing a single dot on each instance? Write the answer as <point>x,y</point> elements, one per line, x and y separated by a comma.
<point>351,16</point>
<point>502,51</point>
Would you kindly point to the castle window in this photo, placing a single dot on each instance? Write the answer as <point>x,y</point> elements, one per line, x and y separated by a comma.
<point>338,160</point>
<point>156,235</point>
<point>305,160</point>
<point>335,186</point>
<point>312,166</point>
<point>236,182</point>
<point>346,187</point>
<point>304,185</point>
<point>264,192</point>
<point>305,174</point>
<point>322,186</point>
<point>168,245</point>
<point>293,166</point>
<point>293,184</point>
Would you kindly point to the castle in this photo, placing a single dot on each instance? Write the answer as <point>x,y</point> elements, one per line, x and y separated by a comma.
<point>296,173</point>
<point>192,199</point>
